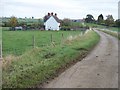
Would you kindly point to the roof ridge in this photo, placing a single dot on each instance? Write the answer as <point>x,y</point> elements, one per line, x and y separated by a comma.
<point>47,17</point>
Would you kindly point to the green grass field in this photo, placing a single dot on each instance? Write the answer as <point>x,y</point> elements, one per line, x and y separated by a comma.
<point>37,65</point>
<point>114,29</point>
<point>109,28</point>
<point>18,42</point>
<point>103,27</point>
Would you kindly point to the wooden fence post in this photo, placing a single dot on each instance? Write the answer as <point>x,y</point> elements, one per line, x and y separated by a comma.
<point>33,41</point>
<point>62,36</point>
<point>51,38</point>
<point>62,39</point>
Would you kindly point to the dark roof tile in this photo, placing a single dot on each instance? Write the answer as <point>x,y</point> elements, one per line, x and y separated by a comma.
<point>55,17</point>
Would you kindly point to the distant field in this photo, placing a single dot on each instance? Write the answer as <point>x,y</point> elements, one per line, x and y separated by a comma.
<point>17,42</point>
<point>109,28</point>
<point>115,34</point>
<point>103,27</point>
<point>26,20</point>
<point>114,29</point>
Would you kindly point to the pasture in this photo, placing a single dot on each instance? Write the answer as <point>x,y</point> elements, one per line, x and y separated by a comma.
<point>18,42</point>
<point>34,66</point>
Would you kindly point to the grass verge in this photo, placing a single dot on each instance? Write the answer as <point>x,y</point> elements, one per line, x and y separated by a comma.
<point>39,65</point>
<point>115,34</point>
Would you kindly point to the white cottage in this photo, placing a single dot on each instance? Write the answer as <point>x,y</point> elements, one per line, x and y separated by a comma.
<point>51,22</point>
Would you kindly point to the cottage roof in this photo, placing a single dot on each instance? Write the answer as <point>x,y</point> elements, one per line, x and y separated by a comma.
<point>48,16</point>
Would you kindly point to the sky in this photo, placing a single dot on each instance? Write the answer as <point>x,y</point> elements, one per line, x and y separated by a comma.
<point>73,9</point>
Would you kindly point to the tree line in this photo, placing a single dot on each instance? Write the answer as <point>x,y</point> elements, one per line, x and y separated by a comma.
<point>66,24</point>
<point>109,21</point>
<point>26,23</point>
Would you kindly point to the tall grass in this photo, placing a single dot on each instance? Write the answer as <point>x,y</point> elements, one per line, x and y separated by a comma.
<point>40,64</point>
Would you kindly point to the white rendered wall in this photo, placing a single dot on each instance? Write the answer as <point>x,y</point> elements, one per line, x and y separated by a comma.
<point>51,24</point>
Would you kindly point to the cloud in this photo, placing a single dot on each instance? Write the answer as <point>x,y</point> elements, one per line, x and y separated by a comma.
<point>64,8</point>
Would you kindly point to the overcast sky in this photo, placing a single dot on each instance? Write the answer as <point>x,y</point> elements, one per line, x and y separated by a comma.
<point>74,9</point>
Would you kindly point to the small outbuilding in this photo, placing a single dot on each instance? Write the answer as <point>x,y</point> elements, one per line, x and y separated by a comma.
<point>51,22</point>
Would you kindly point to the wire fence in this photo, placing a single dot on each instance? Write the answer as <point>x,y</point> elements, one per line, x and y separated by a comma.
<point>34,43</point>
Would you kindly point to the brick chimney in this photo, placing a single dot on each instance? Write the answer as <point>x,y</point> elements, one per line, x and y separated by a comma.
<point>48,14</point>
<point>56,14</point>
<point>52,14</point>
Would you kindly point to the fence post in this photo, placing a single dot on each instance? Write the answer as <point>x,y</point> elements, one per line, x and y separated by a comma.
<point>51,38</point>
<point>62,38</point>
<point>81,33</point>
<point>33,41</point>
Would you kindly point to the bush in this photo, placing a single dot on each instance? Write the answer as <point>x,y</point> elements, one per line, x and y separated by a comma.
<point>65,28</point>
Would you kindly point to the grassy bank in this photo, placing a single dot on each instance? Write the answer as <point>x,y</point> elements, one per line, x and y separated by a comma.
<point>43,63</point>
<point>115,34</point>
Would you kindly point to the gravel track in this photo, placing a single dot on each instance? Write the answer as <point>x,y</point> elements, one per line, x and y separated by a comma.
<point>98,70</point>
